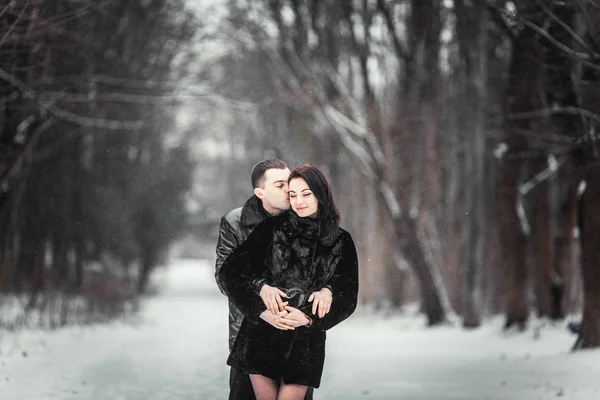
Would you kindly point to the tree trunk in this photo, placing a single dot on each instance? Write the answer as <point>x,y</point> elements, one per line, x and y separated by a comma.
<point>543,252</point>
<point>522,96</point>
<point>590,261</point>
<point>560,92</point>
<point>564,265</point>
<point>430,283</point>
<point>589,215</point>
<point>473,36</point>
<point>513,245</point>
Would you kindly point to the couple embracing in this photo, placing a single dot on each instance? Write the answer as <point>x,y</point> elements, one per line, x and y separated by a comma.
<point>290,275</point>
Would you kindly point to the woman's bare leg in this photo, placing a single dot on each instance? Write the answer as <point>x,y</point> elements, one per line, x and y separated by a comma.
<point>264,388</point>
<point>291,392</point>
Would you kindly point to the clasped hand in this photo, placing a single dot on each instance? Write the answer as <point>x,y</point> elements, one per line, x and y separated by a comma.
<point>288,319</point>
<point>281,316</point>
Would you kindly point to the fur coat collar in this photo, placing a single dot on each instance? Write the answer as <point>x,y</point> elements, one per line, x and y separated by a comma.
<point>253,213</point>
<point>298,258</point>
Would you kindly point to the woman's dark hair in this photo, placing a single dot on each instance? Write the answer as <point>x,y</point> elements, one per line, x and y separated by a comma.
<point>328,214</point>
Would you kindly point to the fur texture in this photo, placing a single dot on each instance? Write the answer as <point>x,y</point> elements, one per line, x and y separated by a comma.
<point>287,252</point>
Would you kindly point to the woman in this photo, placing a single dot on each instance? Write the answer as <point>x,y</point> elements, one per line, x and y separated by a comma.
<point>281,343</point>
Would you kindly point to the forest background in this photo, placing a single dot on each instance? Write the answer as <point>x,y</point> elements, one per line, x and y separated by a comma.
<point>460,138</point>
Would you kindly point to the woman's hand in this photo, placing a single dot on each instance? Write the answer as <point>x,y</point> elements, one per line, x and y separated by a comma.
<point>271,296</point>
<point>322,301</point>
<point>299,318</point>
<point>279,320</point>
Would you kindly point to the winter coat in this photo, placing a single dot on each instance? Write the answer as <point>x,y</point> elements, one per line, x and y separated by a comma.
<point>234,230</point>
<point>287,252</point>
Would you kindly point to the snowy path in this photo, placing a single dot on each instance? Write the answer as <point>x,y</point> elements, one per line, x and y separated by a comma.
<point>178,350</point>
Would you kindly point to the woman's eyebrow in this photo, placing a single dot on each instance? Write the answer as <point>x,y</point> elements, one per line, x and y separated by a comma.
<point>305,189</point>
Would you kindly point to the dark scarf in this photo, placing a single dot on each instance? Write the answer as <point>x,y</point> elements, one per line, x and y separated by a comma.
<point>299,259</point>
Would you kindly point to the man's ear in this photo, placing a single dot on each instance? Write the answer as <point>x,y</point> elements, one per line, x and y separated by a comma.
<point>259,193</point>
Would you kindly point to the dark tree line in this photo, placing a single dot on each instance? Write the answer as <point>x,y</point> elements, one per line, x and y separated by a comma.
<point>91,191</point>
<point>464,142</point>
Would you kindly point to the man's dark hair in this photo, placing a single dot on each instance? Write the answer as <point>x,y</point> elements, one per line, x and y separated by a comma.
<point>258,171</point>
<point>328,214</point>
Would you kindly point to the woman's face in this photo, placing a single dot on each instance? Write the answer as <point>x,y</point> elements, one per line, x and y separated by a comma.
<point>302,199</point>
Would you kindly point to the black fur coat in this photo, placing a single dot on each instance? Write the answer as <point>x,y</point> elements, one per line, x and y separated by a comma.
<point>287,252</point>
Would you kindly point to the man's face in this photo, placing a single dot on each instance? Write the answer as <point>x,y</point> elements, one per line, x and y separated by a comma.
<point>274,194</point>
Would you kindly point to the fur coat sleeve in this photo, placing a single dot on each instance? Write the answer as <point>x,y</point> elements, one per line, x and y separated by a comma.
<point>244,265</point>
<point>344,283</point>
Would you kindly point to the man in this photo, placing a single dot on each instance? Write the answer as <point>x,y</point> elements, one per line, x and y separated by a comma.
<point>269,181</point>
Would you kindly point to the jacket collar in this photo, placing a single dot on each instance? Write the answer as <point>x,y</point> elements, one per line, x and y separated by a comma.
<point>253,213</point>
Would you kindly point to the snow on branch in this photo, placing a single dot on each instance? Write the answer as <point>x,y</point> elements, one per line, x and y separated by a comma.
<point>525,227</point>
<point>357,113</point>
<point>390,200</point>
<point>355,148</point>
<point>27,154</point>
<point>584,58</point>
<point>553,167</point>
<point>370,157</point>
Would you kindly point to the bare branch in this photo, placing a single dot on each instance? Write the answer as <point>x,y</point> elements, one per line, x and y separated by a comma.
<point>547,112</point>
<point>6,8</point>
<point>591,24</point>
<point>17,20</point>
<point>357,112</point>
<point>401,51</point>
<point>566,27</point>
<point>125,83</point>
<point>584,58</point>
<point>355,148</point>
<point>67,115</point>
<point>497,16</point>
<point>124,98</point>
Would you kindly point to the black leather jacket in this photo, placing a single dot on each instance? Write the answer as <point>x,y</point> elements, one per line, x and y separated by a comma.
<point>235,228</point>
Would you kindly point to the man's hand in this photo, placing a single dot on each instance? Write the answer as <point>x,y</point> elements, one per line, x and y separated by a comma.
<point>321,300</point>
<point>299,318</point>
<point>271,296</point>
<point>279,320</point>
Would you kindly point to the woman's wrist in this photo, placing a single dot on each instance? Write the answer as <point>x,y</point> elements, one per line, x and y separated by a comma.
<point>310,321</point>
<point>258,284</point>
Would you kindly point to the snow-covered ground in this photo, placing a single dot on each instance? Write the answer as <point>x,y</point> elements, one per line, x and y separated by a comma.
<point>177,348</point>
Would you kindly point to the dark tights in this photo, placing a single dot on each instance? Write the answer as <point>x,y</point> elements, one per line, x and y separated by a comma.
<point>268,389</point>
